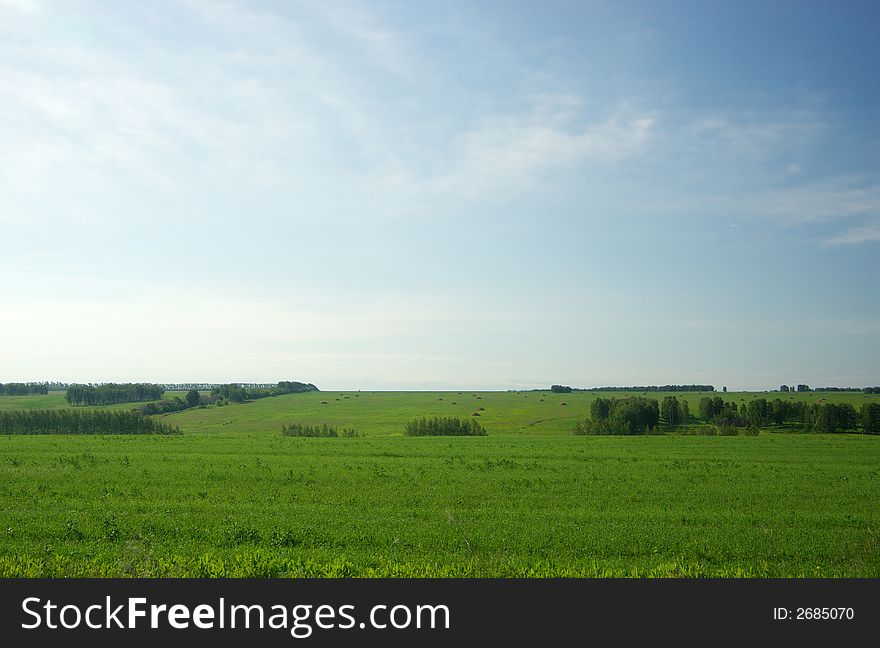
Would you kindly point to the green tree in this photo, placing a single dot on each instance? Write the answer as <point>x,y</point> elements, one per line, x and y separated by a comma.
<point>600,408</point>
<point>192,398</point>
<point>670,411</point>
<point>870,415</point>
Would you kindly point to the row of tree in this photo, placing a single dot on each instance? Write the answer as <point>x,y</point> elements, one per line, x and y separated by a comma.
<point>23,389</point>
<point>177,404</point>
<point>807,388</point>
<point>639,415</point>
<point>443,426</point>
<point>675,412</point>
<point>68,421</point>
<point>632,415</point>
<point>652,388</point>
<point>300,430</point>
<point>238,393</point>
<point>814,417</point>
<point>112,393</point>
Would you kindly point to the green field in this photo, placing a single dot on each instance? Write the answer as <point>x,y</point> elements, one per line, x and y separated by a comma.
<point>232,497</point>
<point>55,400</point>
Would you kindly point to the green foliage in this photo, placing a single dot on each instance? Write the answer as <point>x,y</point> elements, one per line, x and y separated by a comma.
<point>193,399</point>
<point>653,388</point>
<point>560,389</point>
<point>164,407</point>
<point>24,389</point>
<point>758,412</point>
<point>631,415</point>
<point>80,422</point>
<point>600,408</point>
<point>593,426</point>
<point>870,415</point>
<point>670,411</point>
<point>111,393</point>
<point>300,430</point>
<point>724,413</point>
<point>443,426</point>
<point>238,393</point>
<point>634,415</point>
<point>828,418</point>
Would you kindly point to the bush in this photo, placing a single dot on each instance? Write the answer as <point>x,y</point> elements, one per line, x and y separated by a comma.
<point>325,431</point>
<point>592,427</point>
<point>443,426</point>
<point>112,393</point>
<point>828,418</point>
<point>870,415</point>
<point>600,408</point>
<point>80,422</point>
<point>633,415</point>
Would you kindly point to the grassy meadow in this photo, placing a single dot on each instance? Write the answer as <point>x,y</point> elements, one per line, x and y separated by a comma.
<point>232,497</point>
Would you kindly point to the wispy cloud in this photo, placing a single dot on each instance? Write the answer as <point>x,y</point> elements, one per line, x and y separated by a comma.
<point>856,235</point>
<point>825,201</point>
<point>753,133</point>
<point>519,147</point>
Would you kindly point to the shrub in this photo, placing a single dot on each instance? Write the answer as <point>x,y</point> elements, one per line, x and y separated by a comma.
<point>828,418</point>
<point>870,415</point>
<point>443,426</point>
<point>69,421</point>
<point>600,408</point>
<point>633,415</point>
<point>592,427</point>
<point>325,431</point>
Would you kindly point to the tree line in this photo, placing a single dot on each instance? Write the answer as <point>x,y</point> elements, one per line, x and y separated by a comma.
<point>825,418</point>
<point>639,415</point>
<point>631,415</point>
<point>112,393</point>
<point>221,393</point>
<point>807,388</point>
<point>324,431</point>
<point>238,393</point>
<point>443,426</point>
<point>68,421</point>
<point>23,389</point>
<point>650,388</point>
<point>177,404</point>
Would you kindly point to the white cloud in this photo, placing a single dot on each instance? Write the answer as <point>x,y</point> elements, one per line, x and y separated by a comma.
<point>822,202</point>
<point>857,235</point>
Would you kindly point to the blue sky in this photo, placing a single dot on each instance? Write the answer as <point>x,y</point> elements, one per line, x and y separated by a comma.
<point>418,195</point>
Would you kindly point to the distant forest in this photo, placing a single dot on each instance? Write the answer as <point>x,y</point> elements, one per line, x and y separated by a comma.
<point>565,389</point>
<point>640,415</point>
<point>238,393</point>
<point>112,393</point>
<point>223,394</point>
<point>80,422</point>
<point>23,389</point>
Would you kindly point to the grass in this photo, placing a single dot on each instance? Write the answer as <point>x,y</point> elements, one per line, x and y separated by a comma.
<point>55,400</point>
<point>232,497</point>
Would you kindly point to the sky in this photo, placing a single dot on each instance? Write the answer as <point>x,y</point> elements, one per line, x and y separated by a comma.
<point>440,195</point>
